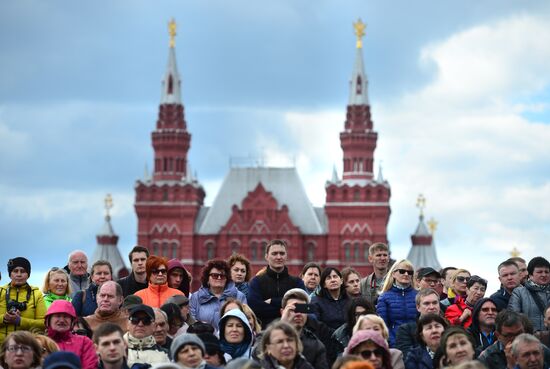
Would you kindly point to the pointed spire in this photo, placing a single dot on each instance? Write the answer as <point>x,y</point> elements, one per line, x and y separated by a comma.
<point>146,176</point>
<point>422,253</point>
<point>358,94</point>
<point>334,175</point>
<point>380,178</point>
<point>171,84</point>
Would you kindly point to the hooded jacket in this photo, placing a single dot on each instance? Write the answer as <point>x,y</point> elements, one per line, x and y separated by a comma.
<point>363,336</point>
<point>243,349</point>
<point>31,318</point>
<point>156,294</point>
<point>482,341</point>
<point>82,346</point>
<point>205,307</point>
<point>522,301</point>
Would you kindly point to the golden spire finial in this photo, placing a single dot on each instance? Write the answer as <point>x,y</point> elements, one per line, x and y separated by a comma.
<point>432,225</point>
<point>359,27</point>
<point>515,252</point>
<point>108,203</point>
<point>172,32</point>
<point>421,204</point>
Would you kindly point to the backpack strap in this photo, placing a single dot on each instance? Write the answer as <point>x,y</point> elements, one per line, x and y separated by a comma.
<point>538,300</point>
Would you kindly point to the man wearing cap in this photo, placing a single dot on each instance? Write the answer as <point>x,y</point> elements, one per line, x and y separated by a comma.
<point>427,278</point>
<point>109,300</point>
<point>137,279</point>
<point>78,271</point>
<point>142,347</point>
<point>188,351</point>
<point>22,306</point>
<point>62,360</point>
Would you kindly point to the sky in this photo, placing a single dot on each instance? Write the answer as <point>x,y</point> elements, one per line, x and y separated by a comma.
<point>459,94</point>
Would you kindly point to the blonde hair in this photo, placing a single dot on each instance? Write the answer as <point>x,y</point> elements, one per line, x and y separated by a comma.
<point>457,272</point>
<point>388,283</point>
<point>247,310</point>
<point>52,271</point>
<point>48,345</point>
<point>373,319</point>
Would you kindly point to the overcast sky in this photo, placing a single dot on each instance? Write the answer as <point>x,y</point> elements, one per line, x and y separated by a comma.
<point>459,94</point>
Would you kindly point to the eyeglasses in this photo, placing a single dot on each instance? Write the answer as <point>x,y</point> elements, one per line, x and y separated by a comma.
<point>23,348</point>
<point>80,332</point>
<point>431,281</point>
<point>405,271</point>
<point>488,309</point>
<point>217,276</point>
<point>462,279</point>
<point>144,319</point>
<point>366,354</point>
<point>159,271</point>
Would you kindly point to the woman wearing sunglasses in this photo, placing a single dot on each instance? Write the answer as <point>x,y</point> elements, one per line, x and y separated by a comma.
<point>460,312</point>
<point>371,346</point>
<point>217,286</point>
<point>429,330</point>
<point>397,305</point>
<point>156,294</point>
<point>459,281</point>
<point>56,286</point>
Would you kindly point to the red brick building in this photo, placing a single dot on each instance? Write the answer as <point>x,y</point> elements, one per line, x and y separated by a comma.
<point>256,204</point>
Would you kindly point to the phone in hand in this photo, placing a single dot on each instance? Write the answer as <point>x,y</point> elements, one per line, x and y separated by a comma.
<point>303,308</point>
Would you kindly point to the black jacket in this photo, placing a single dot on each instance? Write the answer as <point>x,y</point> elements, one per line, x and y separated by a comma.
<point>501,298</point>
<point>270,285</point>
<point>405,338</point>
<point>328,310</point>
<point>494,358</point>
<point>482,341</point>
<point>130,285</point>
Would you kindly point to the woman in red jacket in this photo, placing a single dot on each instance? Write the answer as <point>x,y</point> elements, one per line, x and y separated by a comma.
<point>460,312</point>
<point>60,320</point>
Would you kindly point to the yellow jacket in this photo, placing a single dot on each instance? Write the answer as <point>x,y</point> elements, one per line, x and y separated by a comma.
<point>32,318</point>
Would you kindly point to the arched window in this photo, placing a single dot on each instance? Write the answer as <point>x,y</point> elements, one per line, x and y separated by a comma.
<point>174,250</point>
<point>155,248</point>
<point>165,249</point>
<point>366,247</point>
<point>234,247</point>
<point>210,250</point>
<point>359,88</point>
<point>310,248</point>
<point>356,251</point>
<point>254,250</point>
<point>347,251</point>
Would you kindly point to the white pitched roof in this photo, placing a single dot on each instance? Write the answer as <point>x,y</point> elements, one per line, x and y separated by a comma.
<point>423,255</point>
<point>109,252</point>
<point>358,96</point>
<point>283,183</point>
<point>174,96</point>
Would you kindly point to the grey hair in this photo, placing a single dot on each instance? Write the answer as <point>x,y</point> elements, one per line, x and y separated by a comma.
<point>161,312</point>
<point>522,339</point>
<point>75,252</point>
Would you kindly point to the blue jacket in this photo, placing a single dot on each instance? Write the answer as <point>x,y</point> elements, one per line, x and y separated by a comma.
<point>418,358</point>
<point>328,310</point>
<point>205,307</point>
<point>85,302</point>
<point>397,306</point>
<point>501,298</point>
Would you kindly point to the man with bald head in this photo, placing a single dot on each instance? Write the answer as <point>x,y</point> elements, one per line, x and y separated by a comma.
<point>78,271</point>
<point>109,300</point>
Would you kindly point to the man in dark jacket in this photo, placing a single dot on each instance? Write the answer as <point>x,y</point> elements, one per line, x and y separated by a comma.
<point>508,275</point>
<point>267,289</point>
<point>483,323</point>
<point>427,302</point>
<point>110,347</point>
<point>314,351</point>
<point>137,279</point>
<point>508,325</point>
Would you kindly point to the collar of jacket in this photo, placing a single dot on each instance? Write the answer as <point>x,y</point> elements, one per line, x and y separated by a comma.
<point>273,274</point>
<point>140,343</point>
<point>158,288</point>
<point>107,316</point>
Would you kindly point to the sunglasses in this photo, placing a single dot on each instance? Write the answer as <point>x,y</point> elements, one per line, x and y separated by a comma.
<point>463,279</point>
<point>144,319</point>
<point>488,309</point>
<point>217,276</point>
<point>159,271</point>
<point>366,354</point>
<point>405,271</point>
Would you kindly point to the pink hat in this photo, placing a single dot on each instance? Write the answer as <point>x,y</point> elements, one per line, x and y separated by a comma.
<point>363,336</point>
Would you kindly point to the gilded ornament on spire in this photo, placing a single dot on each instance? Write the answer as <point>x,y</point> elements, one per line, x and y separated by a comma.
<point>108,204</point>
<point>172,32</point>
<point>359,28</point>
<point>432,225</point>
<point>515,252</point>
<point>421,204</point>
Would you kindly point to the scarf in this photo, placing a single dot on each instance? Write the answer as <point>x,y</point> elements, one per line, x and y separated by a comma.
<point>235,350</point>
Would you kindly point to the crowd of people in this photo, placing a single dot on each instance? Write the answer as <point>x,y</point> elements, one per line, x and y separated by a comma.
<point>401,316</point>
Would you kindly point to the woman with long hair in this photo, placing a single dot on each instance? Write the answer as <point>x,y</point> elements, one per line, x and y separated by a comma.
<point>329,303</point>
<point>397,303</point>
